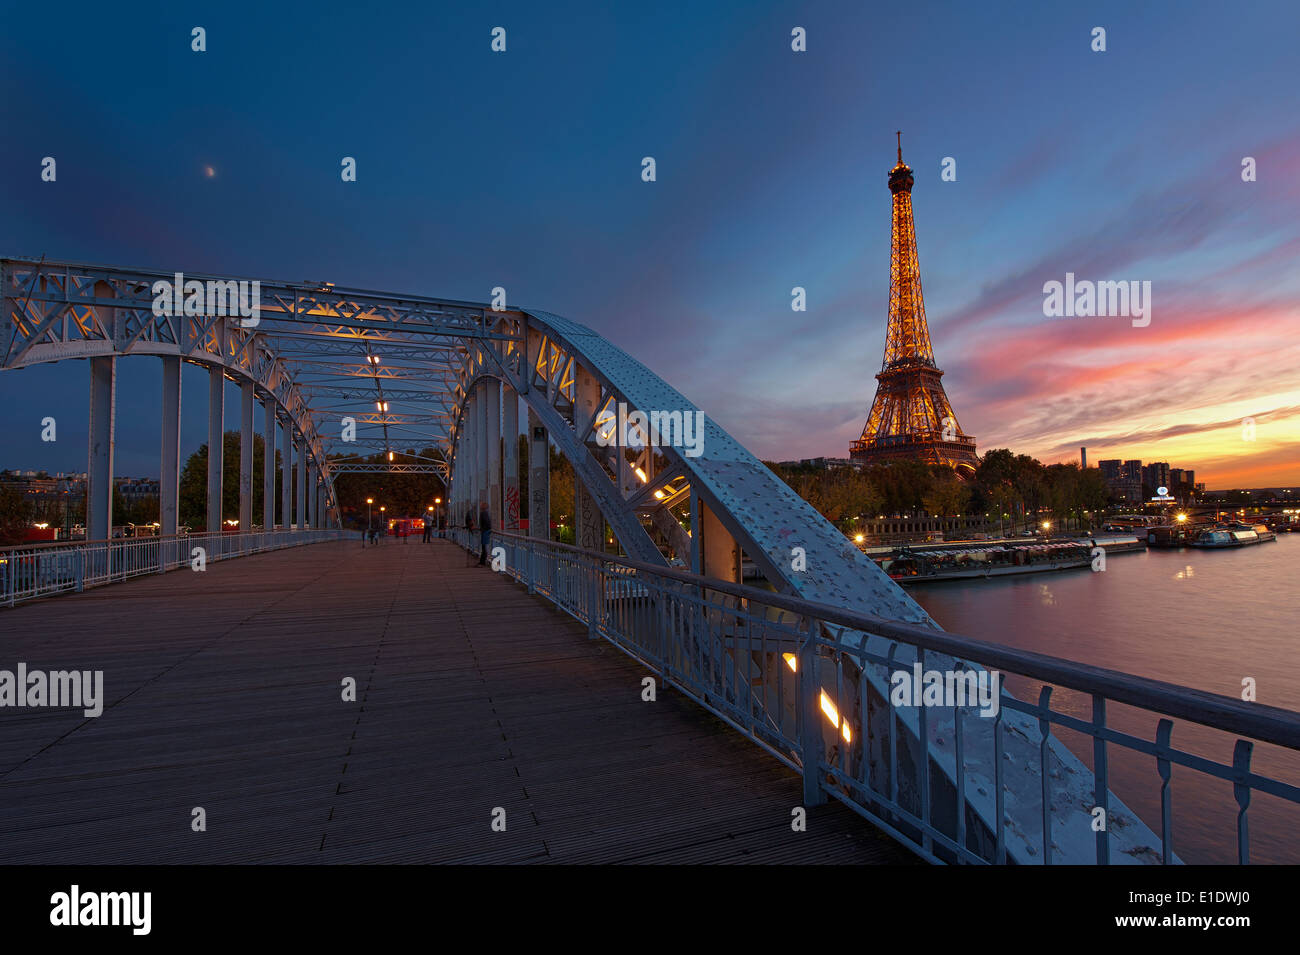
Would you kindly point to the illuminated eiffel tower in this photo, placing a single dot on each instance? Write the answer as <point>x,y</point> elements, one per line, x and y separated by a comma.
<point>911,418</point>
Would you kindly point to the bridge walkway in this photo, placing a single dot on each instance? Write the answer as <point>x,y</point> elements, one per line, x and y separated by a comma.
<point>223,690</point>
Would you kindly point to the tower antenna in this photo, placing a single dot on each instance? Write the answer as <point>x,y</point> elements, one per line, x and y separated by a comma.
<point>900,145</point>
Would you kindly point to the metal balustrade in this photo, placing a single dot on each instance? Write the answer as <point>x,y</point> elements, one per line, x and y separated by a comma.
<point>40,570</point>
<point>792,676</point>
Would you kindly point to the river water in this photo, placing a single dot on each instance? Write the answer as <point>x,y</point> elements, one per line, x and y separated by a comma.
<point>1203,619</point>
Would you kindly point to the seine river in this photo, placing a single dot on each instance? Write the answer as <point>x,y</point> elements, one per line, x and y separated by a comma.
<point>1203,619</point>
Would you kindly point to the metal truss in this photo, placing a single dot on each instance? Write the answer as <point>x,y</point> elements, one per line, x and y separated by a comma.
<point>320,352</point>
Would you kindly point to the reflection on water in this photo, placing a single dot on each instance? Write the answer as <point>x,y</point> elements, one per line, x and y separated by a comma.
<point>1203,619</point>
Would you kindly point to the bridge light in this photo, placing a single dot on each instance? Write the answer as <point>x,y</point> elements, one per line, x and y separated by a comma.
<point>641,475</point>
<point>791,661</point>
<point>390,455</point>
<point>859,538</point>
<point>659,494</point>
<point>437,500</point>
<point>834,716</point>
<point>1182,518</point>
<point>370,500</point>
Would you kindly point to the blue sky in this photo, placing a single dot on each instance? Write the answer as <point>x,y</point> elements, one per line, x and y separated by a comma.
<point>522,169</point>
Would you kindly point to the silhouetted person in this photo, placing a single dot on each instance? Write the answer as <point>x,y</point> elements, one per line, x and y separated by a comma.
<point>484,533</point>
<point>428,529</point>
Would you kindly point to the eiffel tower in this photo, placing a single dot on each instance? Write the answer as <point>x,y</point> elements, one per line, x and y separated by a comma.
<point>911,418</point>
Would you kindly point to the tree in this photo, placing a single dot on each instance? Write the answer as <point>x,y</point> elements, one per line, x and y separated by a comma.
<point>15,515</point>
<point>193,502</point>
<point>947,497</point>
<point>402,494</point>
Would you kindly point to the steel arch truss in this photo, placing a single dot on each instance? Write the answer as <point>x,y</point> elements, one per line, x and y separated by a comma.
<point>574,381</point>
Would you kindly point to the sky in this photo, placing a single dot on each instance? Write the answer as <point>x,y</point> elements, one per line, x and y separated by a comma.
<point>522,169</point>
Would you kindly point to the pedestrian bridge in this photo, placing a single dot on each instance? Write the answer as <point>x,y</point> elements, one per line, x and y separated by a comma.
<point>227,680</point>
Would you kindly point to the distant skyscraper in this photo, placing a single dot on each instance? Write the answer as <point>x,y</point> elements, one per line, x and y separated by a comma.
<point>1083,459</point>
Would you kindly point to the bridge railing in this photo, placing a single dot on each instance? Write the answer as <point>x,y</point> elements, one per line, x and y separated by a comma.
<point>39,570</point>
<point>793,675</point>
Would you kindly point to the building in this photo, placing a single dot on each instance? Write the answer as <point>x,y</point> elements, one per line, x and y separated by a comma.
<point>911,418</point>
<point>1156,474</point>
<point>137,489</point>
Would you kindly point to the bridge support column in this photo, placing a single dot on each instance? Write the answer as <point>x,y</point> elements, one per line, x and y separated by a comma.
<point>588,522</point>
<point>170,460</point>
<point>313,497</point>
<point>268,464</point>
<point>510,458</point>
<point>99,464</point>
<point>721,553</point>
<point>300,511</point>
<point>539,478</point>
<point>481,448</point>
<point>286,478</point>
<point>492,412</point>
<point>245,457</point>
<point>216,444</point>
<point>697,552</point>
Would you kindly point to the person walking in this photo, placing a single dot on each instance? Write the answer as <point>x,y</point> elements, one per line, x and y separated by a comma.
<point>484,533</point>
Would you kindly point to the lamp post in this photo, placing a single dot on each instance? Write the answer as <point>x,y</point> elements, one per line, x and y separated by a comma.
<point>369,524</point>
<point>383,527</point>
<point>437,513</point>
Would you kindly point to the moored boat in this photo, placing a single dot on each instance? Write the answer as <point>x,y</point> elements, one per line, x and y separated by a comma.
<point>1216,538</point>
<point>908,566</point>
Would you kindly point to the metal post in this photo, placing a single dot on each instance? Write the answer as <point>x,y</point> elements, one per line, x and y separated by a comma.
<point>286,477</point>
<point>811,742</point>
<point>268,464</point>
<point>481,445</point>
<point>216,438</point>
<point>588,522</point>
<point>170,459</point>
<point>300,512</point>
<point>697,552</point>
<point>99,467</point>
<point>245,457</point>
<point>539,478</point>
<point>510,458</point>
<point>310,497</point>
<point>492,412</point>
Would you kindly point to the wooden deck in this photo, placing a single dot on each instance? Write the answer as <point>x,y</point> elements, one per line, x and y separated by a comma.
<point>223,690</point>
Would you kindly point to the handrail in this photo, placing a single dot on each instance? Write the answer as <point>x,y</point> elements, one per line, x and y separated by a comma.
<point>80,541</point>
<point>1269,724</point>
<point>814,685</point>
<point>28,572</point>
